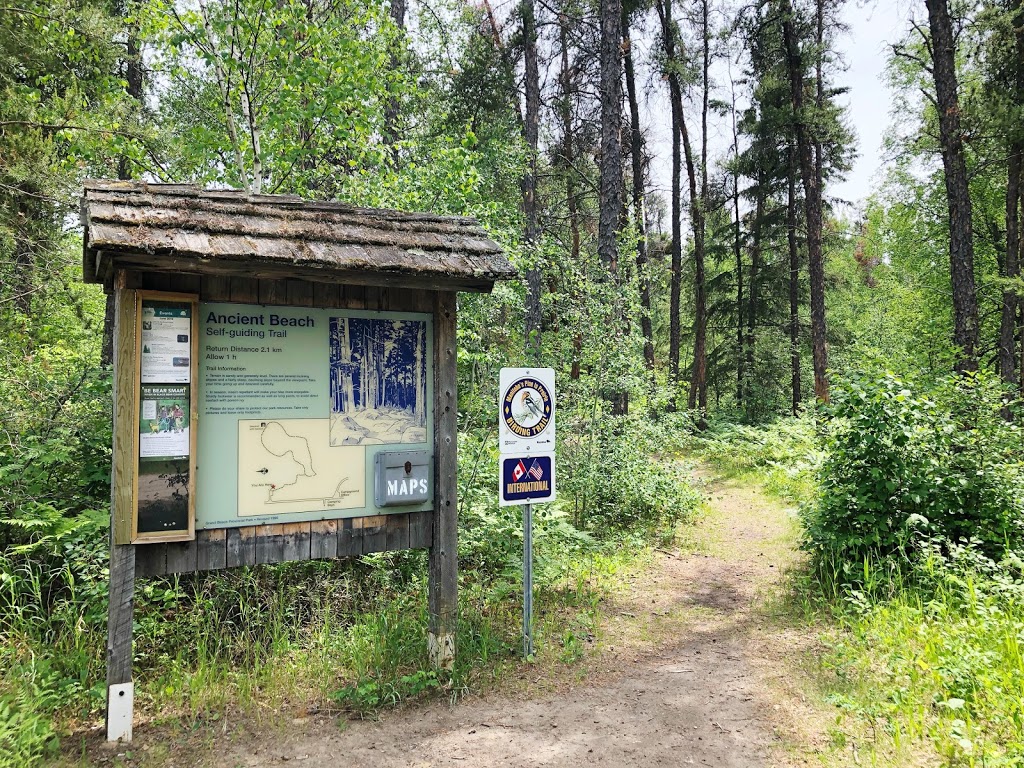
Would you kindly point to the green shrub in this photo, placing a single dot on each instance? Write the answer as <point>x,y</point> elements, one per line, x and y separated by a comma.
<point>617,479</point>
<point>904,465</point>
<point>26,735</point>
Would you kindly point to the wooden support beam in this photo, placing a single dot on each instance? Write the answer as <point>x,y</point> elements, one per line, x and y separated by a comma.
<point>122,553</point>
<point>443,576</point>
<point>125,411</point>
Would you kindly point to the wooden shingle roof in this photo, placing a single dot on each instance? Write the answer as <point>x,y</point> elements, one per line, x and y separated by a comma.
<point>182,228</point>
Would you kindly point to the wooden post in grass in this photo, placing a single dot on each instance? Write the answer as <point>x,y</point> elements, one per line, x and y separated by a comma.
<point>120,693</point>
<point>444,566</point>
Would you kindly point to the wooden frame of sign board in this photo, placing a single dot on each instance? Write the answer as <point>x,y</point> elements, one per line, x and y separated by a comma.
<point>153,240</point>
<point>141,297</point>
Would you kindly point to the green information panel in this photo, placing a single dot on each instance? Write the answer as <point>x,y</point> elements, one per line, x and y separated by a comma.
<point>294,404</point>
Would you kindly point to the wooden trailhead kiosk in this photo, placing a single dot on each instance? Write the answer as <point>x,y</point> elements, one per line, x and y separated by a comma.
<point>284,387</point>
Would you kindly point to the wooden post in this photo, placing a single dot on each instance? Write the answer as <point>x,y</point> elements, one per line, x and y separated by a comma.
<point>443,577</point>
<point>122,554</point>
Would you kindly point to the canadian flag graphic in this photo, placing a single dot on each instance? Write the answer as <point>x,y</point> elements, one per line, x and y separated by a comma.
<point>518,472</point>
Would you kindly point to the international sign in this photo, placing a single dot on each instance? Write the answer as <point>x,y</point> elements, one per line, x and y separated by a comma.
<point>527,479</point>
<point>527,410</point>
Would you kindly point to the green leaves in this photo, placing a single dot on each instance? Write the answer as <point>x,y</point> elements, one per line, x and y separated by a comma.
<point>906,463</point>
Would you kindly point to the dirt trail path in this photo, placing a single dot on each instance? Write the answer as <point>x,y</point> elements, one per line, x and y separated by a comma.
<point>692,671</point>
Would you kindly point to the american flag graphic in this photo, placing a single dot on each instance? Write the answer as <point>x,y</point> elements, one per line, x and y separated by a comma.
<point>518,472</point>
<point>535,471</point>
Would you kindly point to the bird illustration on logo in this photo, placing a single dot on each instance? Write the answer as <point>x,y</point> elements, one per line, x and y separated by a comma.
<point>530,404</point>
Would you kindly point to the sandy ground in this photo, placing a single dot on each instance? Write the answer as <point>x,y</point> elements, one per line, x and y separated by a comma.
<point>690,669</point>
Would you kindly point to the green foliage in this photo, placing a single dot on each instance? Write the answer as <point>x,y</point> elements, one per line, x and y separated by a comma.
<point>369,695</point>
<point>26,735</point>
<point>55,434</point>
<point>937,659</point>
<point>616,480</point>
<point>785,455</point>
<point>905,462</point>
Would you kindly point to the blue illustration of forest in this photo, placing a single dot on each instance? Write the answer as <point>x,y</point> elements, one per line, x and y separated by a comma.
<point>378,381</point>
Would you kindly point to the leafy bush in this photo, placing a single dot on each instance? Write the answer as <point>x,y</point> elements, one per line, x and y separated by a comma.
<point>902,465</point>
<point>616,478</point>
<point>26,735</point>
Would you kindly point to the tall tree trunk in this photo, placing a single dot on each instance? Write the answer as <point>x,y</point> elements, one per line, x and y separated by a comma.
<point>531,126</point>
<point>794,280</point>
<point>610,203</point>
<point>755,268</point>
<point>636,156</point>
<point>819,88</point>
<point>737,246</point>
<point>958,200</point>
<point>24,248</point>
<point>568,162</point>
<point>610,193</point>
<point>812,202</point>
<point>392,109</point>
<point>1011,267</point>
<point>698,216</point>
<point>676,271</point>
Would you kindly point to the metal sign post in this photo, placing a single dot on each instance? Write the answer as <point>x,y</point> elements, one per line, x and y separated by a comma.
<point>526,468</point>
<point>527,581</point>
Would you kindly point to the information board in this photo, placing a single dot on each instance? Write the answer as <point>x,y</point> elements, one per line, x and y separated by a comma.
<point>164,439</point>
<point>294,404</point>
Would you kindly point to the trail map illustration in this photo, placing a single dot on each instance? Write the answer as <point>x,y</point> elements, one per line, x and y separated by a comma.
<point>288,465</point>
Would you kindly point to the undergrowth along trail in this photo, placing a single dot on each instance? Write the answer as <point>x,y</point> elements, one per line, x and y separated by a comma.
<point>687,664</point>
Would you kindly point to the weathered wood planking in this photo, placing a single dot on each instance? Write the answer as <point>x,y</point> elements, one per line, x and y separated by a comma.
<point>125,418</point>
<point>443,561</point>
<point>420,529</point>
<point>170,229</point>
<point>349,545</point>
<point>240,546</point>
<point>372,530</point>
<point>245,290</point>
<point>121,604</point>
<point>323,540</point>
<point>119,614</point>
<point>182,265</point>
<point>232,547</point>
<point>213,550</point>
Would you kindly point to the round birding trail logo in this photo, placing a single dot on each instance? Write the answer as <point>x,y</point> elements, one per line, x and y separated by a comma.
<point>526,407</point>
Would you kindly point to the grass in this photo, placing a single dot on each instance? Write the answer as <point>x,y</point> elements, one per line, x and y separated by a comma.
<point>934,664</point>
<point>782,456</point>
<point>344,639</point>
